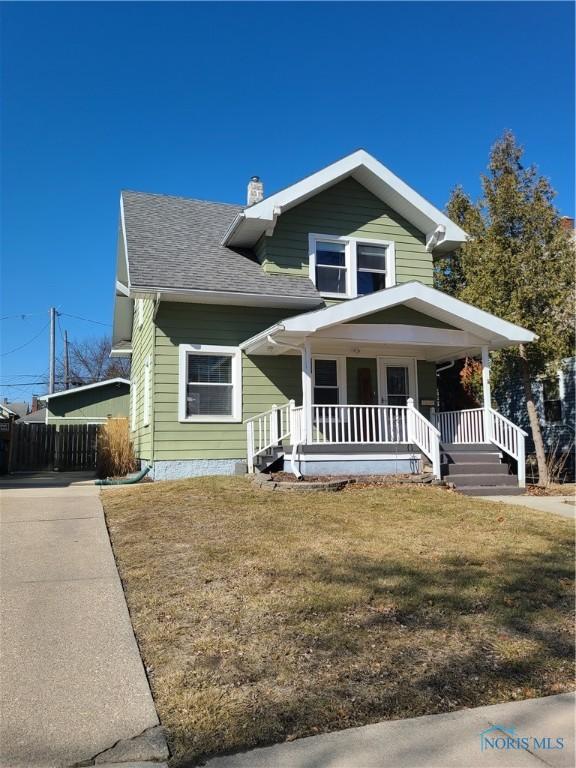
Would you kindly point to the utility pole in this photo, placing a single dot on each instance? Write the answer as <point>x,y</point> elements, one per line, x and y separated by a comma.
<point>52,350</point>
<point>66,362</point>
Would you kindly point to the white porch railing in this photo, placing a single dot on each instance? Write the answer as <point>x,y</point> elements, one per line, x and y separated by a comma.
<point>267,430</point>
<point>461,427</point>
<point>343,425</point>
<point>511,439</point>
<point>479,425</point>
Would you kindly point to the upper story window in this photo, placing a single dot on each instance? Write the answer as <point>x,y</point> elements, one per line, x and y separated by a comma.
<point>348,267</point>
<point>210,383</point>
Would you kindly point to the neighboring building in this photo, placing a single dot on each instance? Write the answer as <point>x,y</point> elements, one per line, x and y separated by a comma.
<point>7,417</point>
<point>555,399</point>
<point>88,404</point>
<point>19,409</point>
<point>37,416</point>
<point>320,294</point>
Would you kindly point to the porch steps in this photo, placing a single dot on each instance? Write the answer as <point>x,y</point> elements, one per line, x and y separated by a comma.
<point>265,460</point>
<point>477,470</point>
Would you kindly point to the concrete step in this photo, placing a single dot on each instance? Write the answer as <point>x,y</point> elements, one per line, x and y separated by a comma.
<point>483,480</point>
<point>460,457</point>
<point>468,468</point>
<point>491,490</point>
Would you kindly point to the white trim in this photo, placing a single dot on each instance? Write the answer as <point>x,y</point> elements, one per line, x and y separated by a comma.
<point>351,261</point>
<point>208,349</point>
<point>397,333</point>
<point>84,387</point>
<point>140,312</point>
<point>430,300</point>
<point>253,221</point>
<point>133,405</point>
<point>391,456</point>
<point>146,401</point>
<point>91,419</point>
<point>124,238</point>
<point>235,298</point>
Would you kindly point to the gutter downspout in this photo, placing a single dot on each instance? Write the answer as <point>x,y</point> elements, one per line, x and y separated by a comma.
<point>445,367</point>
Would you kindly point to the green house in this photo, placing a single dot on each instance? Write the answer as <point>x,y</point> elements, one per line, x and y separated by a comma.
<point>300,327</point>
<point>89,404</point>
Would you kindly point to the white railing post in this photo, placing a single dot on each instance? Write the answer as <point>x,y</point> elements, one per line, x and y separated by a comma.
<point>435,450</point>
<point>410,420</point>
<point>274,425</point>
<point>250,445</point>
<point>521,461</point>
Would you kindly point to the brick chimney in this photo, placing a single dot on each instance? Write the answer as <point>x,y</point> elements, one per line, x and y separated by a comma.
<point>567,222</point>
<point>255,190</point>
<point>34,407</point>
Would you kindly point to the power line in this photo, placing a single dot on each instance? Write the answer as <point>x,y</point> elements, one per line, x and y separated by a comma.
<point>21,315</point>
<point>86,319</point>
<point>27,342</point>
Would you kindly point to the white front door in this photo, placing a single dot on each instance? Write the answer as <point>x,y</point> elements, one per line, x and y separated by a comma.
<point>397,380</point>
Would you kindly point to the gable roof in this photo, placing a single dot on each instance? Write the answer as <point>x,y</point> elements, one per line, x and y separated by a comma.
<point>442,233</point>
<point>174,244</point>
<point>483,326</point>
<point>18,408</point>
<point>84,387</point>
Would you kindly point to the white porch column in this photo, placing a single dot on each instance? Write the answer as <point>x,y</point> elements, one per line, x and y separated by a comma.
<point>306,392</point>
<point>487,395</point>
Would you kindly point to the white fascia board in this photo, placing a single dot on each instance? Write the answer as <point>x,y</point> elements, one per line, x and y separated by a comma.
<point>429,300</point>
<point>235,298</point>
<point>367,171</point>
<point>84,387</point>
<point>119,352</point>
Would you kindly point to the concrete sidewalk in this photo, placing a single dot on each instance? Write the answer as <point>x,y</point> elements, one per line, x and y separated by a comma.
<point>72,680</point>
<point>437,741</point>
<point>558,505</point>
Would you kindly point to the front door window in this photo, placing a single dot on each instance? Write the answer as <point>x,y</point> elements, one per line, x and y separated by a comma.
<point>397,384</point>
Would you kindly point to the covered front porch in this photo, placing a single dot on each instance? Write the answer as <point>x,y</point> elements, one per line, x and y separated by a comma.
<point>368,370</point>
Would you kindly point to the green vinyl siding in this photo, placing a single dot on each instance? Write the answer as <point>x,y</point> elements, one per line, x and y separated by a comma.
<point>347,210</point>
<point>426,373</point>
<point>96,403</point>
<point>401,315</point>
<point>142,349</point>
<point>266,381</point>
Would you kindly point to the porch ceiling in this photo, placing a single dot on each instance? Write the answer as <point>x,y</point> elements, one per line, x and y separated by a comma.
<point>330,329</point>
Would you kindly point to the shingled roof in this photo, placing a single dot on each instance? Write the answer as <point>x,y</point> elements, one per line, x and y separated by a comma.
<point>174,243</point>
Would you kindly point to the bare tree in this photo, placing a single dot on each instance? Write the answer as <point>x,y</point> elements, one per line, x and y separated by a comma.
<point>90,361</point>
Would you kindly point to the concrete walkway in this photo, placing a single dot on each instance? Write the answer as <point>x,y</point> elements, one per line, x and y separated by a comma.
<point>436,741</point>
<point>558,505</point>
<point>71,677</point>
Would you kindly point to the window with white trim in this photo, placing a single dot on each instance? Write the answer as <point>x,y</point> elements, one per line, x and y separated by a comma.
<point>327,382</point>
<point>146,409</point>
<point>343,267</point>
<point>210,383</point>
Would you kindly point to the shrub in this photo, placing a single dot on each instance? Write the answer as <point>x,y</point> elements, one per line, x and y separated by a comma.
<point>115,451</point>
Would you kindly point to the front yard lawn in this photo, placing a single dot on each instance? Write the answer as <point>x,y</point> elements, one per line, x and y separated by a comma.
<point>265,616</point>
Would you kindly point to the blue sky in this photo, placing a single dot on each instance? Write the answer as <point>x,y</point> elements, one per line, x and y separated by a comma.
<point>193,99</point>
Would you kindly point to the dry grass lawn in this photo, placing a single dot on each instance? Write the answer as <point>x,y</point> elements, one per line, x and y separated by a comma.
<point>266,616</point>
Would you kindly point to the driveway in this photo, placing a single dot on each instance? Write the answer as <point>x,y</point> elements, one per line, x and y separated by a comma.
<point>71,676</point>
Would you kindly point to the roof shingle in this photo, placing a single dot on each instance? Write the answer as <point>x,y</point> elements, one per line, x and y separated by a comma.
<point>175,243</point>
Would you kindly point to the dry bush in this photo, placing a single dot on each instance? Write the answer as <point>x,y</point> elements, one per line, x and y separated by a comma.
<point>115,451</point>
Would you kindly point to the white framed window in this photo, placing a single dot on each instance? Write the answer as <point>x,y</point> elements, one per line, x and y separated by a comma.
<point>210,387</point>
<point>328,380</point>
<point>146,404</point>
<point>133,405</point>
<point>346,267</point>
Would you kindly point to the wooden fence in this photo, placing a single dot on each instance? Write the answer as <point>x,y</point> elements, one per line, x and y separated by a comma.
<point>47,446</point>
